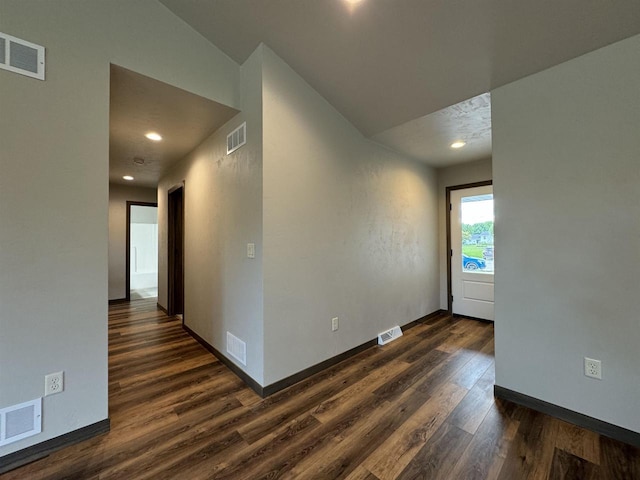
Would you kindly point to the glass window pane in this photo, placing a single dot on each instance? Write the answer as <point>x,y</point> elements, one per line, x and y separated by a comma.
<point>477,233</point>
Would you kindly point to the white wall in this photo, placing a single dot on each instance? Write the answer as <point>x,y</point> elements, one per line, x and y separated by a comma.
<point>566,171</point>
<point>144,247</point>
<point>119,195</point>
<point>145,214</point>
<point>350,230</point>
<point>342,226</point>
<point>461,174</point>
<point>223,212</point>
<point>54,188</point>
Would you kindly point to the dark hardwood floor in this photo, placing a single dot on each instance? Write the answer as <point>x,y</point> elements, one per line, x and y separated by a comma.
<point>421,407</point>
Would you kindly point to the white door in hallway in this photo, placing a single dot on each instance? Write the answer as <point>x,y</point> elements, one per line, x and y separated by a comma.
<point>472,252</point>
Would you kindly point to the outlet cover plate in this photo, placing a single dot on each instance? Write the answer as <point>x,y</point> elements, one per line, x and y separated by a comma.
<point>593,368</point>
<point>53,383</point>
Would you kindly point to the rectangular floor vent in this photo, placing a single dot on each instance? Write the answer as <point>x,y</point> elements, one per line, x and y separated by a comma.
<point>236,348</point>
<point>389,335</point>
<point>20,56</point>
<point>20,421</point>
<point>237,138</point>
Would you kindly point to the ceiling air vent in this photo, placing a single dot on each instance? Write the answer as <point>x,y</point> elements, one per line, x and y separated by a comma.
<point>237,138</point>
<point>21,57</point>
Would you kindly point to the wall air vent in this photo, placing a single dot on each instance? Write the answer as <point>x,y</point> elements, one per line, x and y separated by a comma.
<point>20,421</point>
<point>237,138</point>
<point>20,56</point>
<point>236,348</point>
<point>389,335</point>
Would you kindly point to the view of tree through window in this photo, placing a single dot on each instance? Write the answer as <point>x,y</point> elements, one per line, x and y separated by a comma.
<point>477,233</point>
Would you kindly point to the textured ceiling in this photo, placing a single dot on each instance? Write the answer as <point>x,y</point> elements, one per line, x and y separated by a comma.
<point>139,104</point>
<point>428,138</point>
<point>382,63</point>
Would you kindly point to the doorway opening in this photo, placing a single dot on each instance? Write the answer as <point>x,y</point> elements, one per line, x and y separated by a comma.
<point>470,247</point>
<point>142,250</point>
<point>175,257</point>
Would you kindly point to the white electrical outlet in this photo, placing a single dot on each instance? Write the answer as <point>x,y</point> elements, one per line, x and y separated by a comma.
<point>251,250</point>
<point>593,368</point>
<point>334,324</point>
<point>53,383</point>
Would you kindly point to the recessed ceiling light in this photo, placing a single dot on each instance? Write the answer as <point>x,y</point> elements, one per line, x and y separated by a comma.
<point>353,5</point>
<point>128,177</point>
<point>458,144</point>
<point>153,136</point>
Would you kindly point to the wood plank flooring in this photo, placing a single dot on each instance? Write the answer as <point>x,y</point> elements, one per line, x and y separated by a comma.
<point>421,407</point>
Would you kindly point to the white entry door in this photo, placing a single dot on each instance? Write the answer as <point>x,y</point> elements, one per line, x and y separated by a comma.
<point>472,252</point>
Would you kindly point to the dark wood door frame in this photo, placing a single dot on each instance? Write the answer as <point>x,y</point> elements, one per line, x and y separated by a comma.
<point>175,250</point>
<point>448,221</point>
<point>128,253</point>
